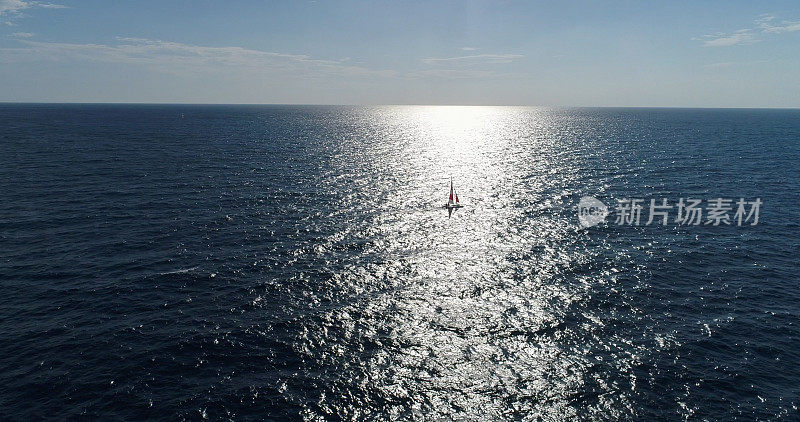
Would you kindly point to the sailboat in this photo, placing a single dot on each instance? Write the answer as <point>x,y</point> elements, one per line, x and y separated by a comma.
<point>452,201</point>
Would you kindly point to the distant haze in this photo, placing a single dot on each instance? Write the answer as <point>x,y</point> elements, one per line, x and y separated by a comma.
<point>583,53</point>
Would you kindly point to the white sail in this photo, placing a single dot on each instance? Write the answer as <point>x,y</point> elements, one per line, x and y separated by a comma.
<point>452,200</point>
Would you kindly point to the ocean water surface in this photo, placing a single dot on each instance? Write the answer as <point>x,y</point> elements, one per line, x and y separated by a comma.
<point>294,262</point>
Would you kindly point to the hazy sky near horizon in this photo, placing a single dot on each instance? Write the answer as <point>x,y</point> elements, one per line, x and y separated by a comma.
<point>573,53</point>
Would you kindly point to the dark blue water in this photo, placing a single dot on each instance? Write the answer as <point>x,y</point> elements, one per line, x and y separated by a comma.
<point>270,262</point>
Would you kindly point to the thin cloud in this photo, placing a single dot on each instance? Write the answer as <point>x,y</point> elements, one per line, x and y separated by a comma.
<point>12,6</point>
<point>765,24</point>
<point>450,74</point>
<point>182,59</point>
<point>740,37</point>
<point>16,6</point>
<point>476,59</point>
<point>468,48</point>
<point>175,57</point>
<point>12,9</point>
<point>721,65</point>
<point>50,5</point>
<point>22,35</point>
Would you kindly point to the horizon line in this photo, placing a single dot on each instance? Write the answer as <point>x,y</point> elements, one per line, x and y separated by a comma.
<point>391,105</point>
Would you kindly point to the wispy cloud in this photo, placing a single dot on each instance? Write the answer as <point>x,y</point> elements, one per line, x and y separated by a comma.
<point>184,59</point>
<point>175,57</point>
<point>473,66</point>
<point>11,9</point>
<point>22,35</point>
<point>764,24</point>
<point>50,5</point>
<point>740,37</point>
<point>12,6</point>
<point>767,24</point>
<point>721,65</point>
<point>476,59</point>
<point>450,74</point>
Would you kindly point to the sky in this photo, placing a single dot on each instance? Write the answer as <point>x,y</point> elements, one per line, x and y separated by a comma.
<point>470,52</point>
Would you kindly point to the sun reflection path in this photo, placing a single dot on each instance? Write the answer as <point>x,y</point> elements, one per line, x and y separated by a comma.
<point>483,314</point>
